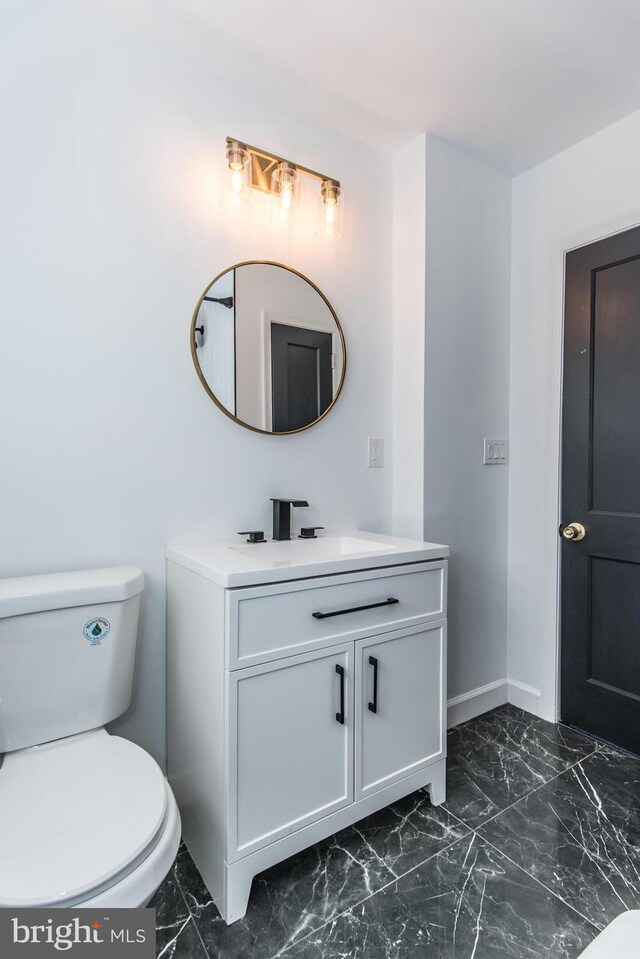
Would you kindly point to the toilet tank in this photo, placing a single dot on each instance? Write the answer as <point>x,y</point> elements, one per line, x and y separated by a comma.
<point>67,649</point>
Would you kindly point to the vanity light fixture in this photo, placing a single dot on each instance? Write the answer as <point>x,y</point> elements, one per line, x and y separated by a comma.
<point>249,167</point>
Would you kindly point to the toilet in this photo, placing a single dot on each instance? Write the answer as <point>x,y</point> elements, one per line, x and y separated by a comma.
<point>86,818</point>
<point>620,940</point>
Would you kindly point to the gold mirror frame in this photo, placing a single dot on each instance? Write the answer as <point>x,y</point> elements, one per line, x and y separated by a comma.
<point>209,391</point>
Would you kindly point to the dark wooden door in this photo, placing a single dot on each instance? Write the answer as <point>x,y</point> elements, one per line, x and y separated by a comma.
<point>600,615</point>
<point>301,375</point>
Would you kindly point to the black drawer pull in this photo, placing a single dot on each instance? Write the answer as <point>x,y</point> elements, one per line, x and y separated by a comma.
<point>356,609</point>
<point>373,706</point>
<point>340,715</point>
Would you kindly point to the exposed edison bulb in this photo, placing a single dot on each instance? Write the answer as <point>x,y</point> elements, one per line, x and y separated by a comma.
<point>284,193</point>
<point>330,226</point>
<point>286,198</point>
<point>237,174</point>
<point>330,212</point>
<point>235,179</point>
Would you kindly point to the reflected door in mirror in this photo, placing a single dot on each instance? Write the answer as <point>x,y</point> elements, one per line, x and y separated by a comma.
<point>215,341</point>
<point>301,364</point>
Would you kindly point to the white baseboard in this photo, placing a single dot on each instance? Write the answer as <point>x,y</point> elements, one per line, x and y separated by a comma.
<point>524,697</point>
<point>483,698</point>
<point>476,701</point>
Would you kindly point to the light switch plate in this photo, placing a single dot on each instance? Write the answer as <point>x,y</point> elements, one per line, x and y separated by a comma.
<point>375,452</point>
<point>496,452</point>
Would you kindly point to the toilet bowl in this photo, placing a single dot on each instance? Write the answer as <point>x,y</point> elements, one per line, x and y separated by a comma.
<point>620,940</point>
<point>86,818</point>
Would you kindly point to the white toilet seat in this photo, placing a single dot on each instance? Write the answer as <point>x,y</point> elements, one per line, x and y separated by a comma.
<point>136,887</point>
<point>78,817</point>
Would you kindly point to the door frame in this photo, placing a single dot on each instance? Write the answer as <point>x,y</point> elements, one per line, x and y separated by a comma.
<point>552,466</point>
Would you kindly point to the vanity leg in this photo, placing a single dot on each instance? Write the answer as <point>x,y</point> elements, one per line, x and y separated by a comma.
<point>437,788</point>
<point>238,877</point>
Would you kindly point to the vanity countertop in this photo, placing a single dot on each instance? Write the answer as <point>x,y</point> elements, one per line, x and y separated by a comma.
<point>233,563</point>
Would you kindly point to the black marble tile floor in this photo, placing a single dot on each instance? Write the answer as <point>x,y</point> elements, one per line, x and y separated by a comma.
<point>536,849</point>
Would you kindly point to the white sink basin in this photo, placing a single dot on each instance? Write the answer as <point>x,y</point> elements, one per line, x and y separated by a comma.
<point>310,550</point>
<point>236,563</point>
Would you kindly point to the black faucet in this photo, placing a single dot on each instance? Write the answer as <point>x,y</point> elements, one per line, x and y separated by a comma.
<point>282,516</point>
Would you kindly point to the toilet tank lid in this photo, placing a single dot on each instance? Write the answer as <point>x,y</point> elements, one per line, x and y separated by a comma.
<point>85,587</point>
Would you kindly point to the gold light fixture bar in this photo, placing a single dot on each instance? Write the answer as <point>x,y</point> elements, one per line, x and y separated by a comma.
<point>263,163</point>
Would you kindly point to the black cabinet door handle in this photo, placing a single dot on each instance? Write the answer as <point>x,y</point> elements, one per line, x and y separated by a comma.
<point>356,609</point>
<point>340,715</point>
<point>373,705</point>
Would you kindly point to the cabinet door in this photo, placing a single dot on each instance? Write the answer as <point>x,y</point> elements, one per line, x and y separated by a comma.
<point>400,705</point>
<point>290,745</point>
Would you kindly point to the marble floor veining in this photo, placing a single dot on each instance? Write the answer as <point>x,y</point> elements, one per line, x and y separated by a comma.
<point>536,849</point>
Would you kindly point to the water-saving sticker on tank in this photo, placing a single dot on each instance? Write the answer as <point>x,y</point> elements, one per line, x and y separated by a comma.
<point>96,630</point>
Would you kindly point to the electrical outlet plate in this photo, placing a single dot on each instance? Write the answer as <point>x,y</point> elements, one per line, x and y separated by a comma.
<point>496,452</point>
<point>375,452</point>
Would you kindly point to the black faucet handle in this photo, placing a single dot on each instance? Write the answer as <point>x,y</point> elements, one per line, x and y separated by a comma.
<point>309,532</point>
<point>255,535</point>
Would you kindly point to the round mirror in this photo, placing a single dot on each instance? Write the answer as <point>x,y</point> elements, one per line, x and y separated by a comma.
<point>268,347</point>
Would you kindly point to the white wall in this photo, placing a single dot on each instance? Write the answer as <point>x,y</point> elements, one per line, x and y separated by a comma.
<point>113,128</point>
<point>583,194</point>
<point>466,399</point>
<point>409,254</point>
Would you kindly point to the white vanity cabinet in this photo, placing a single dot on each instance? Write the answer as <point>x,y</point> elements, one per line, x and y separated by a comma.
<point>299,706</point>
<point>398,712</point>
<point>290,748</point>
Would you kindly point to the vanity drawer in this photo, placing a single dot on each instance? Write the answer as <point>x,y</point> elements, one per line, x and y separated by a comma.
<point>271,622</point>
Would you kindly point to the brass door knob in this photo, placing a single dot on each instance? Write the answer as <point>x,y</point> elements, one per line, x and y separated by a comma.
<point>574,532</point>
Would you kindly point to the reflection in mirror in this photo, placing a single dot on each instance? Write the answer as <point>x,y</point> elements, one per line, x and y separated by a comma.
<point>268,347</point>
